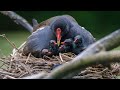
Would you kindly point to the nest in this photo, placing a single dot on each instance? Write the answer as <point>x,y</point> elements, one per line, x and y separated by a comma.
<point>18,66</point>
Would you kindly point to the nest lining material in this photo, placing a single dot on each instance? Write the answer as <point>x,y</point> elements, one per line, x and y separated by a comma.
<point>18,66</point>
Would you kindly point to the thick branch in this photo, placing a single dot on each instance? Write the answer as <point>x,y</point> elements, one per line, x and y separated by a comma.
<point>68,69</point>
<point>105,44</point>
<point>18,19</point>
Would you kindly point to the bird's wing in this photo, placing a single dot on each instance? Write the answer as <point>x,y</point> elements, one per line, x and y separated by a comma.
<point>87,37</point>
<point>38,40</point>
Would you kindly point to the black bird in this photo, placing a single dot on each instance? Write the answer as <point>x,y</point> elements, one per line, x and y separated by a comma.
<point>56,28</point>
<point>78,41</point>
<point>46,52</point>
<point>66,46</point>
<point>52,50</point>
<point>78,45</point>
<point>53,47</point>
<point>66,28</point>
<point>75,46</point>
<point>42,34</point>
<point>69,45</point>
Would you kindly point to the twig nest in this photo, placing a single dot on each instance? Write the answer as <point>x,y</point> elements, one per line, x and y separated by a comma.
<point>19,66</point>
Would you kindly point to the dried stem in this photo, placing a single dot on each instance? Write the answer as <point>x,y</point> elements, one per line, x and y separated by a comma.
<point>68,70</point>
<point>13,45</point>
<point>18,19</point>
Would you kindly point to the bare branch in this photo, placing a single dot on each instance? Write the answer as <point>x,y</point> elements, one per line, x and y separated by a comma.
<point>61,57</point>
<point>13,45</point>
<point>7,73</point>
<point>70,69</point>
<point>9,77</point>
<point>105,44</point>
<point>18,19</point>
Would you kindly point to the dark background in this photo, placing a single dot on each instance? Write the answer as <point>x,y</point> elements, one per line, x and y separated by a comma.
<point>99,23</point>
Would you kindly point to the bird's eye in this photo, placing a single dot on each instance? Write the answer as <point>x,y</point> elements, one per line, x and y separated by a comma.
<point>77,40</point>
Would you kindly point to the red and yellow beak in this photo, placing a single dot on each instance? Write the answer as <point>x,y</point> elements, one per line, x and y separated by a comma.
<point>58,35</point>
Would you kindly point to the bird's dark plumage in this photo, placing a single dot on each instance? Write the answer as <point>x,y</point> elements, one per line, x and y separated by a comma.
<point>75,46</point>
<point>67,46</point>
<point>52,19</point>
<point>37,41</point>
<point>61,23</point>
<point>71,29</point>
<point>46,52</point>
<point>78,46</point>
<point>53,47</point>
<point>78,40</point>
<point>46,31</point>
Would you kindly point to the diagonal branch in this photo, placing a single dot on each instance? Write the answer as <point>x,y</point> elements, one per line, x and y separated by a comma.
<point>69,70</point>
<point>13,45</point>
<point>18,19</point>
<point>105,44</point>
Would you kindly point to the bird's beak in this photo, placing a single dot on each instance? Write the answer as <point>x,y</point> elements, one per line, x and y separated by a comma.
<point>58,42</point>
<point>58,39</point>
<point>58,35</point>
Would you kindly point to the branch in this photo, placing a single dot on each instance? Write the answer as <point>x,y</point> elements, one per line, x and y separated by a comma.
<point>67,70</point>
<point>6,73</point>
<point>18,19</point>
<point>13,45</point>
<point>107,43</point>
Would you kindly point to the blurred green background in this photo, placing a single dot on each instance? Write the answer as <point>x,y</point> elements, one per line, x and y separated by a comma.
<point>99,23</point>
